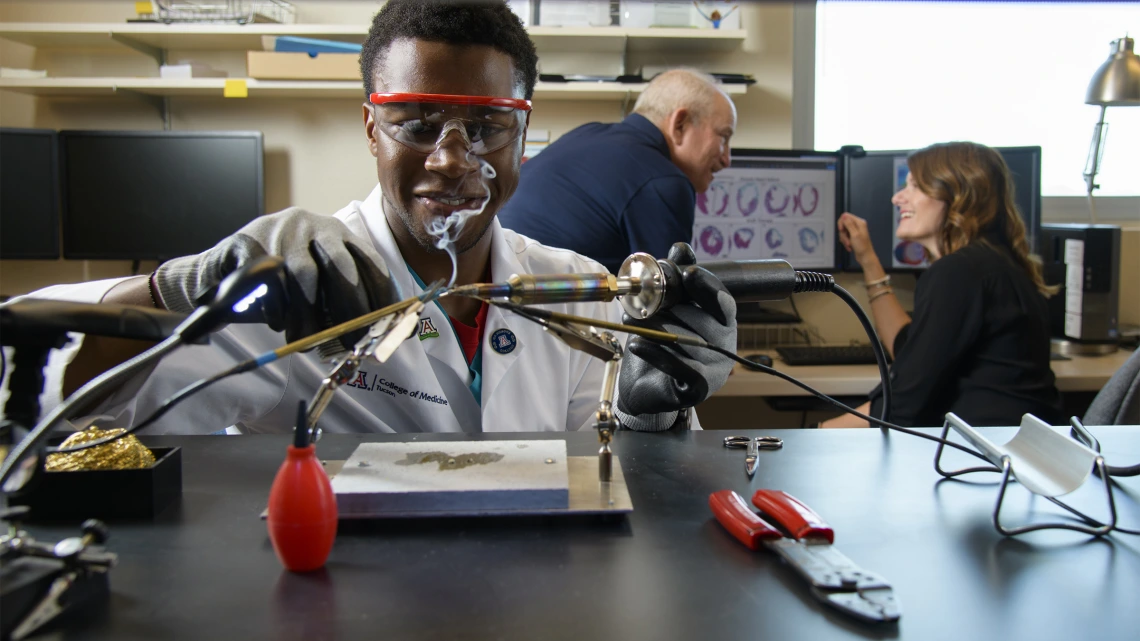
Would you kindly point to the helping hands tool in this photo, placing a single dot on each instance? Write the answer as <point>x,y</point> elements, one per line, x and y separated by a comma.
<point>753,445</point>
<point>835,580</point>
<point>41,581</point>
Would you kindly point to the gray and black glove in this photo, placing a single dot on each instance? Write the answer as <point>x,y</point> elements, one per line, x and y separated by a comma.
<point>658,381</point>
<point>332,274</point>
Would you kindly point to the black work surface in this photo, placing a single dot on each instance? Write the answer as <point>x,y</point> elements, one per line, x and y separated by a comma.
<point>205,569</point>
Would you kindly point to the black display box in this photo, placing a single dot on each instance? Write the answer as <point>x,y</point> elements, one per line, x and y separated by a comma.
<point>106,494</point>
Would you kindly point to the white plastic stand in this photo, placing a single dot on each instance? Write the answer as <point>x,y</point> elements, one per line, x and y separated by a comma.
<point>1044,461</point>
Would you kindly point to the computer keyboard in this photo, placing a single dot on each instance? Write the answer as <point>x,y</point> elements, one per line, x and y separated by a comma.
<point>828,355</point>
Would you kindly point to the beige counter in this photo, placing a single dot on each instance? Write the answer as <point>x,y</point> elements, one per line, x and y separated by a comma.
<point>1082,374</point>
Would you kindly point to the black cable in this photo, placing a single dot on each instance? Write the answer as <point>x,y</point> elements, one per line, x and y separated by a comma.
<point>432,293</point>
<point>818,282</point>
<point>1092,443</point>
<point>3,364</point>
<point>81,398</point>
<point>165,407</point>
<point>522,311</point>
<point>1128,470</point>
<point>824,397</point>
<point>876,346</point>
<point>792,300</point>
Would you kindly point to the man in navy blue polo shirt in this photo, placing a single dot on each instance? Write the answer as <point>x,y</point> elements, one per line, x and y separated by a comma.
<point>608,190</point>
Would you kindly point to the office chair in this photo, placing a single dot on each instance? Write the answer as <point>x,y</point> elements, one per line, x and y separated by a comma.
<point>1118,402</point>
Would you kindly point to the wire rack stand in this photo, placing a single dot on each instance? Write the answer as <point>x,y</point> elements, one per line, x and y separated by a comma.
<point>228,12</point>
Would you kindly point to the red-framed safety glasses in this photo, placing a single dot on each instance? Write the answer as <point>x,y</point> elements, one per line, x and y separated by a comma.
<point>420,121</point>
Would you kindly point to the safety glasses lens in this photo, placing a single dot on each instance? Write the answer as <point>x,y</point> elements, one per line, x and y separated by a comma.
<point>423,126</point>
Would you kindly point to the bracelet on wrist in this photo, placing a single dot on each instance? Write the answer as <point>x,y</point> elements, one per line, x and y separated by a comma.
<point>871,288</point>
<point>885,280</point>
<point>880,294</point>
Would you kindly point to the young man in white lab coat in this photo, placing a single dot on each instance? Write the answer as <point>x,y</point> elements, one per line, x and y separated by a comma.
<point>469,368</point>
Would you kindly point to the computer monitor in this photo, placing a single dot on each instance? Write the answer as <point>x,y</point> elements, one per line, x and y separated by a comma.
<point>29,194</point>
<point>1025,167</point>
<point>154,195</point>
<point>771,204</point>
<point>871,179</point>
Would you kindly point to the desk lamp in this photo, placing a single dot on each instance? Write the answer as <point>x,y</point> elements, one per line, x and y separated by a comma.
<point>1115,84</point>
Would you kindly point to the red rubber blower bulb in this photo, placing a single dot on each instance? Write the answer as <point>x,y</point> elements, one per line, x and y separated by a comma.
<point>302,511</point>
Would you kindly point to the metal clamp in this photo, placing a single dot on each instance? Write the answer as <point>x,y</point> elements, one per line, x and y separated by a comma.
<point>380,342</point>
<point>77,567</point>
<point>604,346</point>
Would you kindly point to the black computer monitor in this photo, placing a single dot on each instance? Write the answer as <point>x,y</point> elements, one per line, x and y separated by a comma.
<point>1025,167</point>
<point>772,204</point>
<point>154,195</point>
<point>29,194</point>
<point>870,180</point>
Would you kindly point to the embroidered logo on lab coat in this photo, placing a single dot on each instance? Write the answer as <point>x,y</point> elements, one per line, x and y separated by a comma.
<point>427,330</point>
<point>503,341</point>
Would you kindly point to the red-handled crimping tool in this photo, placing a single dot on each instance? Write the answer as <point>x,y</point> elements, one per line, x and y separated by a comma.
<point>835,579</point>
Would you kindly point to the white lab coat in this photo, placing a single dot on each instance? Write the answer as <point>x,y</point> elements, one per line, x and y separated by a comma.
<point>539,385</point>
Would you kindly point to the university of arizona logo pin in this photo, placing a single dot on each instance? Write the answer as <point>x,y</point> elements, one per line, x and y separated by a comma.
<point>503,341</point>
<point>427,329</point>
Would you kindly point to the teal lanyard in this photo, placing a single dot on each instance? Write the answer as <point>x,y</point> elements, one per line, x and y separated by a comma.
<point>476,365</point>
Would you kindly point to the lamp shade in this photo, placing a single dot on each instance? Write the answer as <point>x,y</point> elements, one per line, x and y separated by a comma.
<point>1117,82</point>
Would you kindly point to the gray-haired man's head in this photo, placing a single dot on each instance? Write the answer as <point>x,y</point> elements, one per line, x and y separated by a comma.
<point>697,119</point>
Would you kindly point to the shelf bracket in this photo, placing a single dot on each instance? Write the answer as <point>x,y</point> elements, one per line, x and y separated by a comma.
<point>154,52</point>
<point>158,102</point>
<point>624,54</point>
<point>625,104</point>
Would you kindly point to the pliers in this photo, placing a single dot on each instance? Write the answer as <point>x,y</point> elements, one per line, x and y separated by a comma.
<point>835,580</point>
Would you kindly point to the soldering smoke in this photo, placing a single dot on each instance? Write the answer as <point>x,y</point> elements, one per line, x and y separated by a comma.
<point>446,231</point>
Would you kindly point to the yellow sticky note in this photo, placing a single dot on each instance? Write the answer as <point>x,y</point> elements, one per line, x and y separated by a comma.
<point>143,8</point>
<point>235,88</point>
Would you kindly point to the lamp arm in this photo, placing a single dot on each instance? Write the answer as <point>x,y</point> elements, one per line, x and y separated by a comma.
<point>1092,165</point>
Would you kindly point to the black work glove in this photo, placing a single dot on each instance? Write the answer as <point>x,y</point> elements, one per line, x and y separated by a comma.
<point>332,274</point>
<point>657,381</point>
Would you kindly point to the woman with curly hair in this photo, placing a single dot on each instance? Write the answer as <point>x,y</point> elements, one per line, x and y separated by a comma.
<point>978,343</point>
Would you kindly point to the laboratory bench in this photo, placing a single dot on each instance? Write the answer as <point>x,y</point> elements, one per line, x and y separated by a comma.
<point>205,569</point>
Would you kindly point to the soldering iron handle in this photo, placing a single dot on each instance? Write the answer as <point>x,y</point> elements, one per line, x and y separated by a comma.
<point>753,280</point>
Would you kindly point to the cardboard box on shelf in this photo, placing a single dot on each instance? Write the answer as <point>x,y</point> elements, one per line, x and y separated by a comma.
<point>274,65</point>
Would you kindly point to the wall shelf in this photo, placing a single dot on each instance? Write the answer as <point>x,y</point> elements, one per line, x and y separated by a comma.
<point>244,37</point>
<point>212,87</point>
<point>155,39</point>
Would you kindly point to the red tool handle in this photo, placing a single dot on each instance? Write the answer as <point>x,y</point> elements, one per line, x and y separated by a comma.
<point>739,519</point>
<point>789,512</point>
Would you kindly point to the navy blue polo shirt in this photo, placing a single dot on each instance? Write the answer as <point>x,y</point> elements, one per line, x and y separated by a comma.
<point>604,191</point>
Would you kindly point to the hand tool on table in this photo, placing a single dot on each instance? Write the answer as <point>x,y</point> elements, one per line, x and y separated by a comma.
<point>835,580</point>
<point>753,445</point>
<point>40,581</point>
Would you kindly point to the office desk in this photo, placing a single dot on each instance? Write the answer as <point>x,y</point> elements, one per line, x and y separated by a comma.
<point>1081,374</point>
<point>205,569</point>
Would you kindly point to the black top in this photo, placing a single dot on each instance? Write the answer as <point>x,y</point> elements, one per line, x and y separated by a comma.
<point>604,191</point>
<point>205,569</point>
<point>978,345</point>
